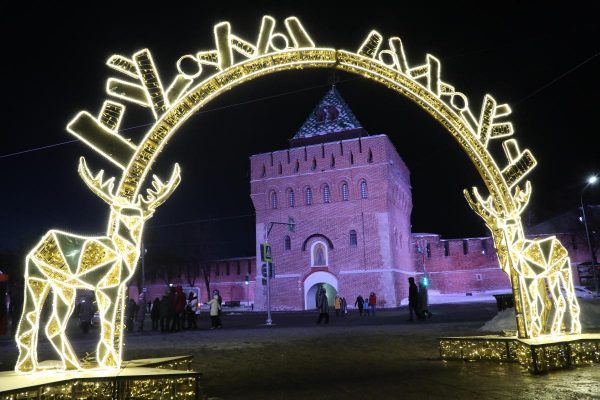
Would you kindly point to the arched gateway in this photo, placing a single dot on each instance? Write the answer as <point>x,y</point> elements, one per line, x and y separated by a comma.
<point>61,263</point>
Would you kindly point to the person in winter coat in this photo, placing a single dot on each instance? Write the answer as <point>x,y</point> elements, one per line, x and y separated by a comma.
<point>215,311</point>
<point>164,312</point>
<point>372,302</point>
<point>360,303</point>
<point>155,314</point>
<point>190,310</point>
<point>423,304</point>
<point>338,305</point>
<point>344,306</point>
<point>178,309</point>
<point>130,312</point>
<point>323,307</point>
<point>413,298</point>
<point>86,312</point>
<point>141,312</point>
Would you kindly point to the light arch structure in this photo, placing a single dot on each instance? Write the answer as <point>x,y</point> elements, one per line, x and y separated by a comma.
<point>539,269</point>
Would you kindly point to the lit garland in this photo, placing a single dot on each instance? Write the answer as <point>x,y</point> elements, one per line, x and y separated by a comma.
<point>537,356</point>
<point>138,382</point>
<point>105,264</point>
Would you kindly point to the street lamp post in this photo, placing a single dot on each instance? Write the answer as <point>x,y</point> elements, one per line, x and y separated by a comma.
<point>591,181</point>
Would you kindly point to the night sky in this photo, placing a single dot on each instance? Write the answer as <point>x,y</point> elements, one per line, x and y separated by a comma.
<point>537,58</point>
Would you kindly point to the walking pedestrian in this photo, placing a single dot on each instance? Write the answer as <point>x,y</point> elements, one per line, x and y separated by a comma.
<point>360,303</point>
<point>130,311</point>
<point>141,312</point>
<point>344,306</point>
<point>372,302</point>
<point>423,303</point>
<point>85,314</point>
<point>215,312</point>
<point>155,313</point>
<point>413,298</point>
<point>178,309</point>
<point>164,313</point>
<point>190,309</point>
<point>323,307</point>
<point>366,306</point>
<point>337,305</point>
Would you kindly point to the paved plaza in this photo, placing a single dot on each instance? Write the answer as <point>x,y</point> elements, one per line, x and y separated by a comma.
<point>381,357</point>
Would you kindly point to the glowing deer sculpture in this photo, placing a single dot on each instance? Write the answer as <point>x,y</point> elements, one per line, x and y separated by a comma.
<point>543,269</point>
<point>62,263</point>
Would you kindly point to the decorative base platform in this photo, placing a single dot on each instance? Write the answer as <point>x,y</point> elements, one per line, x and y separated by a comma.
<point>537,355</point>
<point>154,378</point>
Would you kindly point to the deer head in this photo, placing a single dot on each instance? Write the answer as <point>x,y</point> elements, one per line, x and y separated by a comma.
<point>145,207</point>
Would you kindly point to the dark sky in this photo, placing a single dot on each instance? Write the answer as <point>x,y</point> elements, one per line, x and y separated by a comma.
<point>53,67</point>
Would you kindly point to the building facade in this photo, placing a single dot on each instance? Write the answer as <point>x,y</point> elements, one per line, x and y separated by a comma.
<point>349,195</point>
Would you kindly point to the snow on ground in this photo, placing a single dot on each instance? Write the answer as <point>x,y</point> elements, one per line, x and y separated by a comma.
<point>435,297</point>
<point>505,320</point>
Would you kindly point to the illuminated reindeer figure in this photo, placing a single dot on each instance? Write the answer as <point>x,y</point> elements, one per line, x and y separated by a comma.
<point>63,262</point>
<point>544,282</point>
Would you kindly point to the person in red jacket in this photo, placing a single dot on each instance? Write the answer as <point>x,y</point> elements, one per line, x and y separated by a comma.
<point>372,302</point>
<point>178,308</point>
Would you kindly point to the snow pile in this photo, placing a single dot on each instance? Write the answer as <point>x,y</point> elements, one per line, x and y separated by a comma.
<point>505,320</point>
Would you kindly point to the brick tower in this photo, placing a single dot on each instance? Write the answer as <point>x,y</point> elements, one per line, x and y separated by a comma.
<point>350,196</point>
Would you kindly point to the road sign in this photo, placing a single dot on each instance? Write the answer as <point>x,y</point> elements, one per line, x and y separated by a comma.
<point>265,252</point>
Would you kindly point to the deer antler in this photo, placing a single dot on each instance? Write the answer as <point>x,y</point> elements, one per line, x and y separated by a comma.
<point>521,197</point>
<point>104,190</point>
<point>160,192</point>
<point>484,208</point>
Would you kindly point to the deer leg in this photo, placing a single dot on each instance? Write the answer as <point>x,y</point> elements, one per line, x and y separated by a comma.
<point>559,305</point>
<point>63,304</point>
<point>567,281</point>
<point>531,300</point>
<point>110,326</point>
<point>36,290</point>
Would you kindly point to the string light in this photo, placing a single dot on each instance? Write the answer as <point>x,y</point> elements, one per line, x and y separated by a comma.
<point>232,62</point>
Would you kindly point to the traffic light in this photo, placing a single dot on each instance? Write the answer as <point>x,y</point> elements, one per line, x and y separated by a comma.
<point>265,269</point>
<point>247,282</point>
<point>425,281</point>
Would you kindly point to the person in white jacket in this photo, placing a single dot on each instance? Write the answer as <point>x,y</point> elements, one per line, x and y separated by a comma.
<point>215,311</point>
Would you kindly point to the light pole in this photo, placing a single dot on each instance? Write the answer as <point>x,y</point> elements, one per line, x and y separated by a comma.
<point>590,181</point>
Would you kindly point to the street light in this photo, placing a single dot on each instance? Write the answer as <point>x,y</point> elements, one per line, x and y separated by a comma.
<point>591,181</point>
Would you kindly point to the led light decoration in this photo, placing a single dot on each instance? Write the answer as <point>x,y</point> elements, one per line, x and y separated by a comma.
<point>61,262</point>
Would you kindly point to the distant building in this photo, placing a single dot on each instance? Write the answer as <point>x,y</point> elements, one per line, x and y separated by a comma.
<point>349,194</point>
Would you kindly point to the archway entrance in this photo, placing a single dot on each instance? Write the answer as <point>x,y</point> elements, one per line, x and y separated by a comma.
<point>234,61</point>
<point>315,280</point>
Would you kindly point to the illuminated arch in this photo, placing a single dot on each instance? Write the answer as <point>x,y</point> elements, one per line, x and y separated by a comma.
<point>236,61</point>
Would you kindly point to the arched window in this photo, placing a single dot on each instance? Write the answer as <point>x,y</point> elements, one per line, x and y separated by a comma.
<point>319,254</point>
<point>363,190</point>
<point>273,199</point>
<point>297,166</point>
<point>370,157</point>
<point>345,194</point>
<point>353,240</point>
<point>291,198</point>
<point>280,169</point>
<point>326,194</point>
<point>314,164</point>
<point>288,243</point>
<point>308,195</point>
